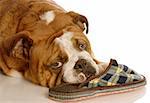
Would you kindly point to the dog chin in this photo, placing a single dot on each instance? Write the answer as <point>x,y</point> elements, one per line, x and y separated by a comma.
<point>71,76</point>
<point>74,77</point>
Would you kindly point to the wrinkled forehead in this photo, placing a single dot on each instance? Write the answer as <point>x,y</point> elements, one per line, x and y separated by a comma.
<point>65,39</point>
<point>67,42</point>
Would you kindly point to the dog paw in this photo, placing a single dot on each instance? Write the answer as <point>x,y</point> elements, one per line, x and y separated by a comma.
<point>16,74</point>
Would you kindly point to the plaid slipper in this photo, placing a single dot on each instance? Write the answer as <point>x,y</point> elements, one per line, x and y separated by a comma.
<point>117,78</point>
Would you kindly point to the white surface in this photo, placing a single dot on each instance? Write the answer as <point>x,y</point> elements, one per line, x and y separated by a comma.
<point>119,29</point>
<point>14,90</point>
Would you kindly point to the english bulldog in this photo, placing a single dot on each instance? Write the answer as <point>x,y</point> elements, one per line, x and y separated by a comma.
<point>45,44</point>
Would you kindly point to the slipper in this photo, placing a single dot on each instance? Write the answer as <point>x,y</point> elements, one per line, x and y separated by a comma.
<point>117,78</point>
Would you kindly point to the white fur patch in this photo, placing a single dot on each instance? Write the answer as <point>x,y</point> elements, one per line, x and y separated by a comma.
<point>48,16</point>
<point>73,56</point>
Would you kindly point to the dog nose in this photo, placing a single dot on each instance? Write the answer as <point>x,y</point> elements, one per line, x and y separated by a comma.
<point>83,66</point>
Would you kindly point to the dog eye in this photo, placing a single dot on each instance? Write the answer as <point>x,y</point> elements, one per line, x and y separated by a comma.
<point>56,65</point>
<point>82,46</point>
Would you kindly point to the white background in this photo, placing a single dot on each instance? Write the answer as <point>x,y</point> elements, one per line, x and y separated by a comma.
<point>119,29</point>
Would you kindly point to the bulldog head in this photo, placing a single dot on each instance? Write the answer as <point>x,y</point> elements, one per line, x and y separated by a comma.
<point>65,56</point>
<point>50,47</point>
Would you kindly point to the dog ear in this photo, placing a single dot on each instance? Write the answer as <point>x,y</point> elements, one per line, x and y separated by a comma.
<point>19,45</point>
<point>79,20</point>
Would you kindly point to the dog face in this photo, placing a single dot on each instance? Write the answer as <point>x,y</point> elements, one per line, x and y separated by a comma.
<point>66,56</point>
<point>80,64</point>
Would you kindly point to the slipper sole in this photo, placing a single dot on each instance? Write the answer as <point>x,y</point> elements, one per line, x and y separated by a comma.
<point>95,92</point>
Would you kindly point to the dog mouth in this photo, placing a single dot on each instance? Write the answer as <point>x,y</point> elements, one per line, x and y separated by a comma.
<point>84,70</point>
<point>81,71</point>
<point>80,78</point>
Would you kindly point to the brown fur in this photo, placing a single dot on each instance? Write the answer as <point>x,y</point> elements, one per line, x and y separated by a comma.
<point>27,43</point>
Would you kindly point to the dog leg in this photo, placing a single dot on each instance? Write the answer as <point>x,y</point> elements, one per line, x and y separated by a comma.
<point>3,66</point>
<point>6,70</point>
